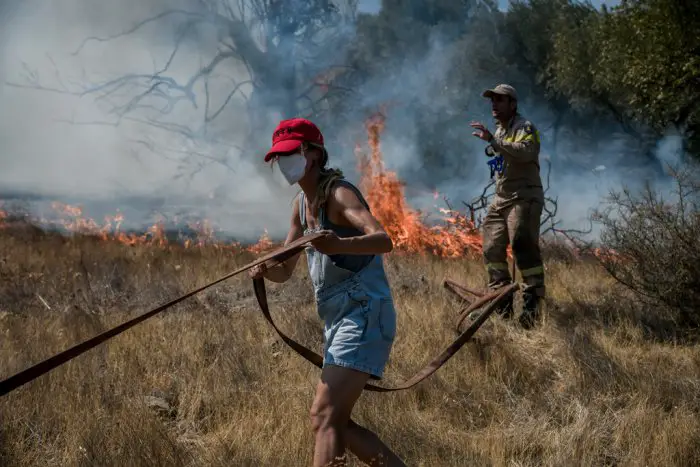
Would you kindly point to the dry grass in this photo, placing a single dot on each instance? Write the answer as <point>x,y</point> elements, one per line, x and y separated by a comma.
<point>206,383</point>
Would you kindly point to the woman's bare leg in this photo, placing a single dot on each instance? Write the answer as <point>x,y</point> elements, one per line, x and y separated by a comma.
<point>369,448</point>
<point>336,395</point>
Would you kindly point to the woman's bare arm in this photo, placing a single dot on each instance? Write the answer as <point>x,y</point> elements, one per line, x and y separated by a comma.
<point>349,210</point>
<point>283,271</point>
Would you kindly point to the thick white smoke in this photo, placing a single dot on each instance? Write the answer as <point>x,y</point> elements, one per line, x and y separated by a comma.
<point>68,147</point>
<point>48,147</point>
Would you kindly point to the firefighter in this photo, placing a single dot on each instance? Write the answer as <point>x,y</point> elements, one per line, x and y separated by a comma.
<point>513,217</point>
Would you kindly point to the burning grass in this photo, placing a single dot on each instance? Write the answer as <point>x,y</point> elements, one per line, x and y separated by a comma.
<point>457,237</point>
<point>600,382</point>
<point>207,382</point>
<point>384,192</point>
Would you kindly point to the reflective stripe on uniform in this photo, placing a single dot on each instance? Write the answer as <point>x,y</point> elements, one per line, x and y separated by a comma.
<point>535,137</point>
<point>523,138</point>
<point>497,266</point>
<point>532,271</point>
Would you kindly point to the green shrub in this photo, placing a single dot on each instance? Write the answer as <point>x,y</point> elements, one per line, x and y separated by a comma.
<point>654,245</point>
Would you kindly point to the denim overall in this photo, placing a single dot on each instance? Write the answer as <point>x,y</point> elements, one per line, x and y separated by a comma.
<point>353,298</point>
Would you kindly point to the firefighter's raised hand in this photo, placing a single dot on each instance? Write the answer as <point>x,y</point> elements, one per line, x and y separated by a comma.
<point>482,132</point>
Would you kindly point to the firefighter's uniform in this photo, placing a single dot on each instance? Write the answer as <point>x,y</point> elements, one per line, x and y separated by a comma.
<point>514,215</point>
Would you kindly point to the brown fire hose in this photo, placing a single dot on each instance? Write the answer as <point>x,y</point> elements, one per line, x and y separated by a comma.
<point>276,257</point>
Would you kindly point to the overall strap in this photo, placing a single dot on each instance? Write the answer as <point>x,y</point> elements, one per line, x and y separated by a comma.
<point>302,210</point>
<point>357,191</point>
<point>322,219</point>
<point>322,209</point>
<point>322,215</point>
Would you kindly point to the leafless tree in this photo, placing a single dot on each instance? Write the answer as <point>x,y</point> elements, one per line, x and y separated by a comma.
<point>288,51</point>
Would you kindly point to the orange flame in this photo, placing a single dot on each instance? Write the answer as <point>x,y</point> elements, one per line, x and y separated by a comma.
<point>72,221</point>
<point>385,195</point>
<point>457,237</point>
<point>263,245</point>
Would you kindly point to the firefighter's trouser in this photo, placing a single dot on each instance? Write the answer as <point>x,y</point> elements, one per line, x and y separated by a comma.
<point>516,222</point>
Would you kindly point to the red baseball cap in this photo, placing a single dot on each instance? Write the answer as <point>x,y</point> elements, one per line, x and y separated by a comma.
<point>289,135</point>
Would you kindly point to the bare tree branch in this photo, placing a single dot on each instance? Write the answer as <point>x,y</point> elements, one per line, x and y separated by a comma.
<point>301,34</point>
<point>548,223</point>
<point>141,24</point>
<point>238,86</point>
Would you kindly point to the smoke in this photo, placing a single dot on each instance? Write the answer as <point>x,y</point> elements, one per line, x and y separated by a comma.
<point>49,149</point>
<point>70,148</point>
<point>578,171</point>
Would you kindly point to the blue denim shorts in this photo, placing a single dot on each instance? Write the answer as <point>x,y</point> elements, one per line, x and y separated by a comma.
<point>359,327</point>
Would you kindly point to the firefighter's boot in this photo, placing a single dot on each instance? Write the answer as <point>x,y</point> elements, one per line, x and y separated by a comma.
<point>505,309</point>
<point>531,310</point>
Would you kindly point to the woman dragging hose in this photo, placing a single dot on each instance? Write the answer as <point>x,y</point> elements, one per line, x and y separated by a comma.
<point>352,292</point>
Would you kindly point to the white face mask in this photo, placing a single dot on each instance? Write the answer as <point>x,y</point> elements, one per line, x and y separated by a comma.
<point>292,167</point>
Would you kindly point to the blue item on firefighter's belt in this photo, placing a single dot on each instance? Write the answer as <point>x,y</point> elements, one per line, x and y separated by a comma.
<point>496,165</point>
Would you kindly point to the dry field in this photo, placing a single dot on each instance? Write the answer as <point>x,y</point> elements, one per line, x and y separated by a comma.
<point>206,383</point>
